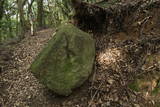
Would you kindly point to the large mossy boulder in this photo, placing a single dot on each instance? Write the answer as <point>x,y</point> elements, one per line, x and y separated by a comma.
<point>67,61</point>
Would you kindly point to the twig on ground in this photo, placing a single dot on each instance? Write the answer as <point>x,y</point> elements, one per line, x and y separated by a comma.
<point>95,94</point>
<point>142,24</point>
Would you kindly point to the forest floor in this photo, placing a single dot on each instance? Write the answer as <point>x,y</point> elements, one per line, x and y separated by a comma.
<point>121,59</point>
<point>107,87</point>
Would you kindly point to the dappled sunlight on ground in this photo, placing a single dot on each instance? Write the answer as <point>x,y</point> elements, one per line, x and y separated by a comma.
<point>109,56</point>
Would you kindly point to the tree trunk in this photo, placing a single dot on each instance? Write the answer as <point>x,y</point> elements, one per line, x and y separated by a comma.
<point>40,16</point>
<point>8,17</point>
<point>31,17</point>
<point>1,8</point>
<point>21,4</point>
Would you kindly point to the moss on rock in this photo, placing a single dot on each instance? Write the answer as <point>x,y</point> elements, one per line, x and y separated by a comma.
<point>67,61</point>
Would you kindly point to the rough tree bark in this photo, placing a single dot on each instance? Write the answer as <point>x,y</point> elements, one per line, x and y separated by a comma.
<point>1,8</point>
<point>40,16</point>
<point>21,4</point>
<point>31,17</point>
